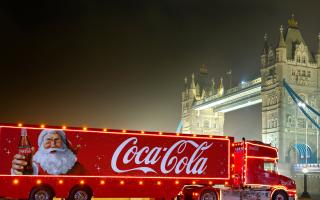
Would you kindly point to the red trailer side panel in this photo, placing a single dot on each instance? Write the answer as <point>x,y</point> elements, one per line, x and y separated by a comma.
<point>120,155</point>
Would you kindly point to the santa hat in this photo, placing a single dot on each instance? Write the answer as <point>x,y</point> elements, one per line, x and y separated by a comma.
<point>45,132</point>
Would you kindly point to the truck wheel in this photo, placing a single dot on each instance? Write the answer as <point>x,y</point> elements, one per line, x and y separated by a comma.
<point>208,195</point>
<point>279,195</point>
<point>41,193</point>
<point>80,193</point>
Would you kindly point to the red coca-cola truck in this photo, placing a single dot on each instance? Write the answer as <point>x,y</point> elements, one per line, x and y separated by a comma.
<point>81,163</point>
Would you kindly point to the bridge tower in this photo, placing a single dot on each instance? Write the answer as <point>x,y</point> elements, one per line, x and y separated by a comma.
<point>283,125</point>
<point>196,90</point>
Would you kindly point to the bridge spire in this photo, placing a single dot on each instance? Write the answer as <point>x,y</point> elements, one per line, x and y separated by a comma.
<point>266,45</point>
<point>203,69</point>
<point>281,50</point>
<point>186,83</point>
<point>265,51</point>
<point>318,53</point>
<point>281,39</point>
<point>213,89</point>
<point>319,43</point>
<point>292,22</point>
<point>221,88</point>
<point>198,90</point>
<point>192,84</point>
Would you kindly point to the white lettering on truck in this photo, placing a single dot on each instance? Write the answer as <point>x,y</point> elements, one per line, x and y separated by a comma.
<point>146,157</point>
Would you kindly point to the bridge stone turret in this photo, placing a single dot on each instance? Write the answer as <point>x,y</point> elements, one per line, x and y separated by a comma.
<point>283,125</point>
<point>207,120</point>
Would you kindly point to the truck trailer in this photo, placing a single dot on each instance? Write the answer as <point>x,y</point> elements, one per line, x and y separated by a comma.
<point>41,162</point>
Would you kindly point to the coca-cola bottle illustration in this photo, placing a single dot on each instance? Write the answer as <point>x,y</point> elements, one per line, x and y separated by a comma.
<point>26,151</point>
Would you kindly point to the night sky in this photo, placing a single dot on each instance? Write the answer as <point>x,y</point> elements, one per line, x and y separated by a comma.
<point>122,64</point>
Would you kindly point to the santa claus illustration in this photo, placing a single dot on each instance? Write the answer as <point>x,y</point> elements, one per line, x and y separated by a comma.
<point>53,157</point>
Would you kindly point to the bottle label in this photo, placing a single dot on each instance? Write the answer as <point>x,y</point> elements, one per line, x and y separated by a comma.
<point>25,151</point>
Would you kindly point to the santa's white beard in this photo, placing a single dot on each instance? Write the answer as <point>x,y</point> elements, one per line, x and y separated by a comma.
<point>56,163</point>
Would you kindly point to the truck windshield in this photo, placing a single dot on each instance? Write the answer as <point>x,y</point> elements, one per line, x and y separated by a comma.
<point>270,167</point>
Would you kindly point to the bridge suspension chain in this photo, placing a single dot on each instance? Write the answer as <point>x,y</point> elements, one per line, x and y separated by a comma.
<point>301,104</point>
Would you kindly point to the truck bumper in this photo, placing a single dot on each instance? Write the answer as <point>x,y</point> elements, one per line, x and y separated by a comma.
<point>295,197</point>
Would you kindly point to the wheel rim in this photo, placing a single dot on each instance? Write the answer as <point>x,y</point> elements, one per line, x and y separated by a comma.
<point>208,196</point>
<point>41,195</point>
<point>80,195</point>
<point>279,197</point>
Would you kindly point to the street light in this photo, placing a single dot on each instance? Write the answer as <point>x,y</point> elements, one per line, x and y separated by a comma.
<point>305,193</point>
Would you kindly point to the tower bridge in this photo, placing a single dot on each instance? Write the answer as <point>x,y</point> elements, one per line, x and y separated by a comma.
<point>244,95</point>
<point>283,124</point>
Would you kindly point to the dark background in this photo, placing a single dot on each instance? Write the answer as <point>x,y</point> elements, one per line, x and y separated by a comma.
<point>122,64</point>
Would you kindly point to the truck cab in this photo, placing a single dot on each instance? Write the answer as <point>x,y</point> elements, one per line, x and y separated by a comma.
<point>256,167</point>
<point>255,176</point>
<point>256,164</point>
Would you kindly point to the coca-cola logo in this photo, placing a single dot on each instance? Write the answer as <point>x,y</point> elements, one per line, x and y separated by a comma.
<point>160,159</point>
<point>25,151</point>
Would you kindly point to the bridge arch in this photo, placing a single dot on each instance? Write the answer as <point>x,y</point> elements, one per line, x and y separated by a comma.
<point>297,154</point>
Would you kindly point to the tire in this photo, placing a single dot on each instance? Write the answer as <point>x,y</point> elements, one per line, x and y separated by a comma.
<point>208,195</point>
<point>80,193</point>
<point>279,195</point>
<point>41,193</point>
